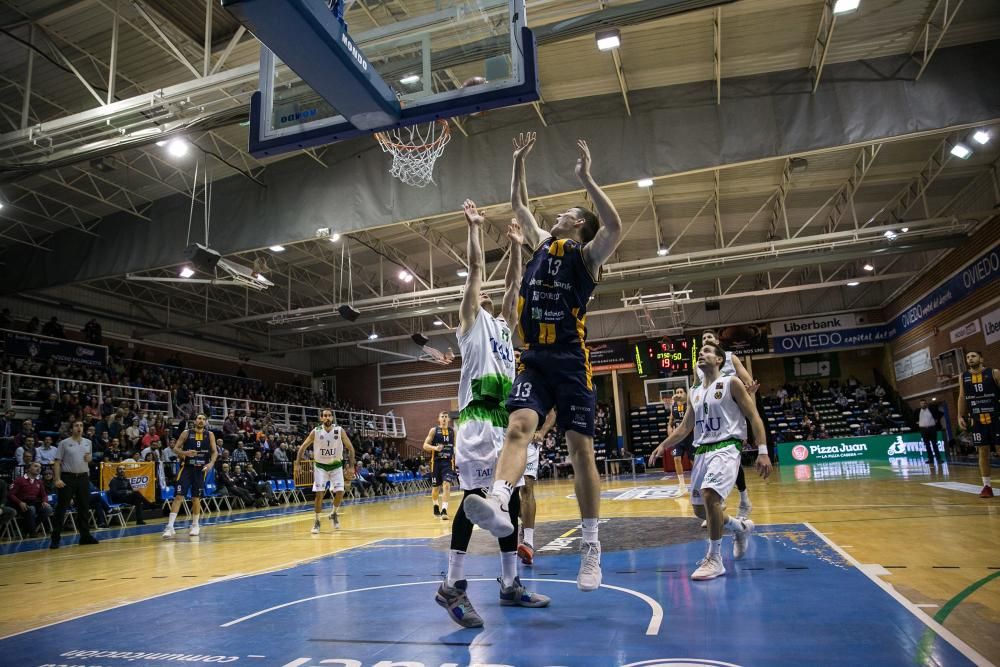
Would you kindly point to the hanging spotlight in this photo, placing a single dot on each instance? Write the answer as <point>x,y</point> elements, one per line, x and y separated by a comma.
<point>961,151</point>
<point>645,182</point>
<point>609,39</point>
<point>178,147</point>
<point>277,248</point>
<point>868,266</point>
<point>662,251</point>
<point>845,6</point>
<point>187,272</point>
<point>853,283</point>
<point>463,274</point>
<point>334,237</point>
<point>981,137</point>
<point>372,336</point>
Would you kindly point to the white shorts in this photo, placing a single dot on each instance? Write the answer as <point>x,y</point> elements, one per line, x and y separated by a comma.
<point>333,478</point>
<point>531,469</point>
<point>716,470</point>
<point>477,449</point>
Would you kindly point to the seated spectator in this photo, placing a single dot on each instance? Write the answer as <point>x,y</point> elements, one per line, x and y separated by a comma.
<point>860,394</point>
<point>240,453</point>
<point>113,453</point>
<point>132,434</point>
<point>27,495</point>
<point>46,454</point>
<point>32,325</point>
<point>362,479</point>
<point>49,480</point>
<point>7,513</point>
<point>227,482</point>
<point>879,392</point>
<point>8,426</point>
<point>53,328</point>
<point>120,491</point>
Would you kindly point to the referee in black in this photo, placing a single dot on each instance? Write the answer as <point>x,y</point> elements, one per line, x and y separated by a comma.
<point>72,473</point>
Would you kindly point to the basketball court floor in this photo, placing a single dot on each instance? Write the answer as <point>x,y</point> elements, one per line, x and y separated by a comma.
<point>857,565</point>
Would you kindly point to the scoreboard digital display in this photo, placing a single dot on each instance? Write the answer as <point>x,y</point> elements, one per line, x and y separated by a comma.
<point>665,357</point>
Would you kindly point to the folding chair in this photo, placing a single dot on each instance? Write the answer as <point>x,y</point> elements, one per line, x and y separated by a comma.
<point>116,511</point>
<point>11,531</point>
<point>168,497</point>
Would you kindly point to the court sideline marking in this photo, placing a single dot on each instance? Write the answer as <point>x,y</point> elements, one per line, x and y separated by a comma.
<point>921,615</point>
<point>656,619</point>
<point>235,575</point>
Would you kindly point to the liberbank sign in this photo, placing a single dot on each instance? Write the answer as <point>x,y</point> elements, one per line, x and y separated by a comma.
<point>867,448</point>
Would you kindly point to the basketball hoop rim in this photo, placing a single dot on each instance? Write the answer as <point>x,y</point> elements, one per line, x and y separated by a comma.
<point>383,138</point>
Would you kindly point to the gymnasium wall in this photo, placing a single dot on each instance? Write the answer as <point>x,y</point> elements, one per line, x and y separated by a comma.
<point>770,371</point>
<point>935,332</point>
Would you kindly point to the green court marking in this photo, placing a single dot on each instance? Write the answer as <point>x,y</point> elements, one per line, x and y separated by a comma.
<point>924,649</point>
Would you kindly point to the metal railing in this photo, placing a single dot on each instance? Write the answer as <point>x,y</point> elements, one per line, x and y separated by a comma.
<point>286,416</point>
<point>20,393</point>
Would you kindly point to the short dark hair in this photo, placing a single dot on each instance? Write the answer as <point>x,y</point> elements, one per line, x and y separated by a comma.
<point>711,331</point>
<point>201,414</point>
<point>590,224</point>
<point>719,351</point>
<point>976,351</point>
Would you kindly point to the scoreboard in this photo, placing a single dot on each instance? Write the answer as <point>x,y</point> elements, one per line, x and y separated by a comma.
<point>665,357</point>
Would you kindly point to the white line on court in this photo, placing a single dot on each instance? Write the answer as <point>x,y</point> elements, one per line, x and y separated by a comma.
<point>231,577</point>
<point>656,619</point>
<point>921,615</point>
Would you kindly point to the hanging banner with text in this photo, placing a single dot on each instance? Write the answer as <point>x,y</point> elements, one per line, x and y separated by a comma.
<point>812,342</point>
<point>868,448</point>
<point>818,324</point>
<point>825,365</point>
<point>44,348</point>
<point>141,475</point>
<point>611,355</point>
<point>991,327</point>
<point>744,339</point>
<point>978,273</point>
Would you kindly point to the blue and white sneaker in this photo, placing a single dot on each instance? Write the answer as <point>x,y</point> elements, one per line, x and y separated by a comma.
<point>458,605</point>
<point>519,596</point>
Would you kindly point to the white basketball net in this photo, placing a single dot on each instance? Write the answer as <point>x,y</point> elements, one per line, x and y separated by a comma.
<point>415,149</point>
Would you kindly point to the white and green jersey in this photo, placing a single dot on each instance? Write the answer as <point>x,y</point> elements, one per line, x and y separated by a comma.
<point>487,369</point>
<point>717,416</point>
<point>328,448</point>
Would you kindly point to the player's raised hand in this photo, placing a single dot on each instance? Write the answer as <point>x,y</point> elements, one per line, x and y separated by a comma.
<point>583,161</point>
<point>472,214</point>
<point>523,143</point>
<point>514,232</point>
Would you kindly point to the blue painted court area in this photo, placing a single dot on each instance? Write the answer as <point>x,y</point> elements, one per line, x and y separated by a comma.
<point>792,601</point>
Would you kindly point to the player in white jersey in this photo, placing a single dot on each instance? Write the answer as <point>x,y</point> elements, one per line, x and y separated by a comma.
<point>733,366</point>
<point>487,374</point>
<point>330,469</point>
<point>526,536</point>
<point>720,407</point>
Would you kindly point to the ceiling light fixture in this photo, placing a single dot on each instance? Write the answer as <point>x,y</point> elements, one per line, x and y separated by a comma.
<point>178,147</point>
<point>889,234</point>
<point>981,137</point>
<point>845,6</point>
<point>645,182</point>
<point>905,229</point>
<point>438,323</point>
<point>663,252</point>
<point>463,274</point>
<point>961,151</point>
<point>334,237</point>
<point>853,283</point>
<point>372,336</point>
<point>277,248</point>
<point>187,272</point>
<point>609,39</point>
<point>410,80</point>
<point>868,266</point>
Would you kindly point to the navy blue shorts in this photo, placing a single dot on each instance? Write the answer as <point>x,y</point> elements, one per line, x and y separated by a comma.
<point>443,471</point>
<point>191,479</point>
<point>556,376</point>
<point>984,435</point>
<point>686,447</point>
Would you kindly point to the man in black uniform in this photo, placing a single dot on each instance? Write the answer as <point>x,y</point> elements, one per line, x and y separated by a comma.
<point>979,410</point>
<point>440,442</point>
<point>196,449</point>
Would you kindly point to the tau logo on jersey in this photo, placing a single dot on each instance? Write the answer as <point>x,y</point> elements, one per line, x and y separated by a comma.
<point>710,424</point>
<point>503,352</point>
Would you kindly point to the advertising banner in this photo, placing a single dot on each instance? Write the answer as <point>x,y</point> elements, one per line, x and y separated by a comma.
<point>142,476</point>
<point>967,330</point>
<point>868,448</point>
<point>611,355</point>
<point>745,339</point>
<point>43,348</point>
<point>991,327</point>
<point>978,273</point>
<point>814,324</point>
<point>809,342</point>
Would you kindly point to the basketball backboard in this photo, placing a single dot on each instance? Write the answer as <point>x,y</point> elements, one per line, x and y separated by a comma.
<point>437,58</point>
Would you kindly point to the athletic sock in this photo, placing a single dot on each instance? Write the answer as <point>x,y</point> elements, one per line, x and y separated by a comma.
<point>733,524</point>
<point>444,507</point>
<point>529,535</point>
<point>590,530</point>
<point>196,520</point>
<point>170,522</point>
<point>986,481</point>
<point>715,547</point>
<point>744,497</point>
<point>317,516</point>
<point>503,491</point>
<point>508,568</point>
<point>456,567</point>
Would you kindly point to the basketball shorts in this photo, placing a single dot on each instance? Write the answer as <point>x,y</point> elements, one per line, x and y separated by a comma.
<point>985,430</point>
<point>531,469</point>
<point>477,451</point>
<point>442,471</point>
<point>715,467</point>
<point>191,480</point>
<point>322,479</point>
<point>556,376</point>
<point>686,447</point>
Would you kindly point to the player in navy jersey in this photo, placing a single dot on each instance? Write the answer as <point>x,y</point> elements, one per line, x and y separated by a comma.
<point>440,443</point>
<point>554,369</point>
<point>979,411</point>
<point>197,452</point>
